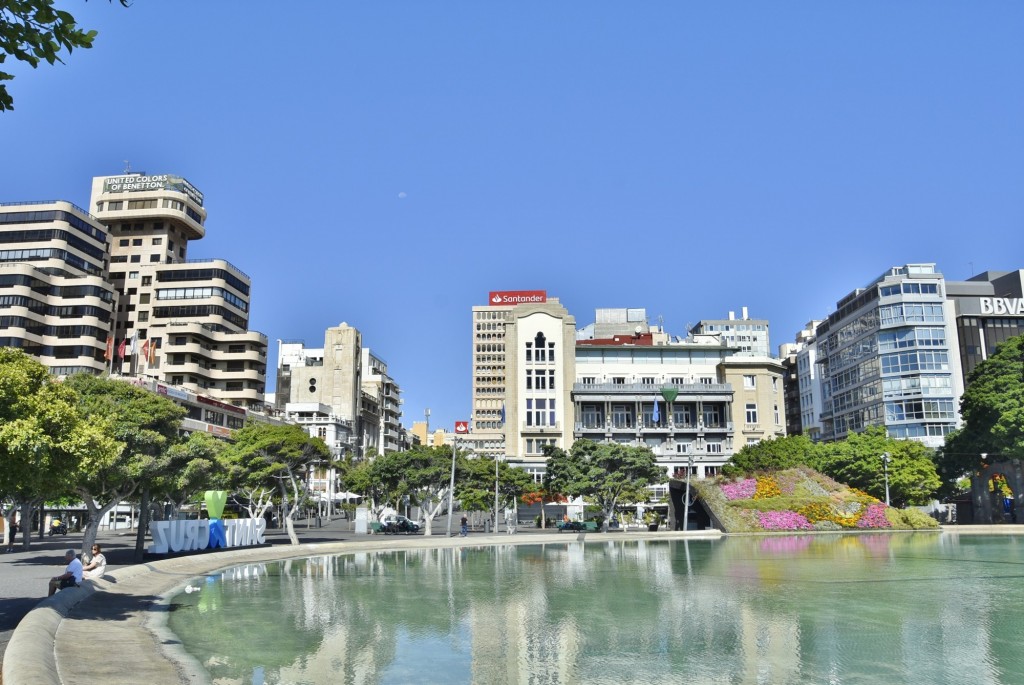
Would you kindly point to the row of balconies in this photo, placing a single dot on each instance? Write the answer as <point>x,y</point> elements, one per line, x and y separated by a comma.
<point>654,389</point>
<point>619,427</point>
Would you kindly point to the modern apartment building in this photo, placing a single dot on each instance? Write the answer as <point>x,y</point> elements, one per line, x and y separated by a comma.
<point>803,392</point>
<point>749,336</point>
<point>55,300</point>
<point>523,370</point>
<point>888,356</point>
<point>391,437</point>
<point>184,321</point>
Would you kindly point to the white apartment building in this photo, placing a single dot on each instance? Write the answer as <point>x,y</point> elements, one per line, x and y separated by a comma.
<point>55,301</point>
<point>387,395</point>
<point>749,336</point>
<point>185,321</point>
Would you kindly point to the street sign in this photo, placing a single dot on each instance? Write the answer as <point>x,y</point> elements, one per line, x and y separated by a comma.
<point>461,427</point>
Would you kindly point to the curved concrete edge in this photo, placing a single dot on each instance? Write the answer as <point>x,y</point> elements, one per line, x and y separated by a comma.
<point>32,654</point>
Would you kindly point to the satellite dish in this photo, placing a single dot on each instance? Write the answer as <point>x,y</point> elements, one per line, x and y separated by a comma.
<point>637,329</point>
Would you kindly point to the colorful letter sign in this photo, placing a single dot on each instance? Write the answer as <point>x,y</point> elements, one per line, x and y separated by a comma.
<point>509,297</point>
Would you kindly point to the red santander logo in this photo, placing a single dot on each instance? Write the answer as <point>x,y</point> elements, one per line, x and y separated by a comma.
<point>509,297</point>
<point>461,427</point>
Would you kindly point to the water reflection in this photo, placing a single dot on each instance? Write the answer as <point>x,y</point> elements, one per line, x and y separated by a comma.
<point>800,609</point>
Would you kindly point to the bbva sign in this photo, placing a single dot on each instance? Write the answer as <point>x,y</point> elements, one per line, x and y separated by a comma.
<point>188,536</point>
<point>1002,305</point>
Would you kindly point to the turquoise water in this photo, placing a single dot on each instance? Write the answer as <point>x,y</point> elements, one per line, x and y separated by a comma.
<point>844,609</point>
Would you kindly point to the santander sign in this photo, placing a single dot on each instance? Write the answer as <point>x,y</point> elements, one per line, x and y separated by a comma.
<point>509,297</point>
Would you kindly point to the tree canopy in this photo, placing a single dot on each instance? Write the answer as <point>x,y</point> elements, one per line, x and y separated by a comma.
<point>605,473</point>
<point>275,456</point>
<point>144,423</point>
<point>33,31</point>
<point>777,453</point>
<point>992,408</point>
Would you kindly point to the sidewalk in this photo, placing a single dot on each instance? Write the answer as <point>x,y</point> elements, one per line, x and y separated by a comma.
<point>24,575</point>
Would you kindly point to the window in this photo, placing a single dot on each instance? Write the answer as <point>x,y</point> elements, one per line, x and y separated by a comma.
<point>778,422</point>
<point>540,347</point>
<point>551,380</point>
<point>143,316</point>
<point>618,380</point>
<point>714,448</point>
<point>707,380</point>
<point>123,242</point>
<point>112,206</point>
<point>712,416</point>
<point>529,378</point>
<point>142,204</point>
<point>775,383</point>
<point>146,280</point>
<point>135,258</point>
<point>751,412</point>
<point>154,258</point>
<point>158,241</point>
<point>136,241</point>
<point>749,382</point>
<point>133,274</point>
<point>647,380</point>
<point>144,298</point>
<point>587,380</point>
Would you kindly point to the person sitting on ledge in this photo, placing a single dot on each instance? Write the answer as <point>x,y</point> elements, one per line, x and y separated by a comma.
<point>72,575</point>
<point>97,565</point>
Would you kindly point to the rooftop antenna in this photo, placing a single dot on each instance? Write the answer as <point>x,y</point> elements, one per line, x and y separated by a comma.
<point>127,167</point>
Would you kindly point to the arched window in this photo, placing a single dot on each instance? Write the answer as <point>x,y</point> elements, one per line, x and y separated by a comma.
<point>540,345</point>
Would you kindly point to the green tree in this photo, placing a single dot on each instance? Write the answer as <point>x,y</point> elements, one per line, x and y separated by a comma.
<point>33,31</point>
<point>475,487</point>
<point>43,437</point>
<point>193,465</point>
<point>769,455</point>
<point>992,408</point>
<point>146,425</point>
<point>605,473</point>
<point>276,457</point>
<point>857,461</point>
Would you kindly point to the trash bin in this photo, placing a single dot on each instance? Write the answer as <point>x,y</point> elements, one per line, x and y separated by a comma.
<point>487,526</point>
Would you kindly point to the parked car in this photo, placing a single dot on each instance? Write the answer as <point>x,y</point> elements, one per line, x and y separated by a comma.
<point>571,525</point>
<point>399,524</point>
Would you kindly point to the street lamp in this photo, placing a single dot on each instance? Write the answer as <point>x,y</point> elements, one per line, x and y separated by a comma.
<point>885,470</point>
<point>686,503</point>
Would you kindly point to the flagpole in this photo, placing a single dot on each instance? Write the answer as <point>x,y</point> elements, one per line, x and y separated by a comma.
<point>451,485</point>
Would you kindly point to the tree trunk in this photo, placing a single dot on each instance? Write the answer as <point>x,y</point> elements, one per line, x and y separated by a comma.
<point>42,521</point>
<point>288,515</point>
<point>96,514</point>
<point>26,525</point>
<point>140,534</point>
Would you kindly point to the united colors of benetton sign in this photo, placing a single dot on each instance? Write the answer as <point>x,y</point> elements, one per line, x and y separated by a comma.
<point>507,297</point>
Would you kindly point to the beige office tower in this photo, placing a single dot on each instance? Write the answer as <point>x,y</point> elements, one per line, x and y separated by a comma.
<point>182,321</point>
<point>523,371</point>
<point>55,302</point>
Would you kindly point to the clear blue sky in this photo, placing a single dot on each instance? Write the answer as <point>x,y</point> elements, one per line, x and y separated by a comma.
<point>388,163</point>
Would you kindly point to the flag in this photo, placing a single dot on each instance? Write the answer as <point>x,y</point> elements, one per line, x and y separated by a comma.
<point>145,351</point>
<point>656,416</point>
<point>109,354</point>
<point>133,346</point>
<point>152,352</point>
<point>120,348</point>
<point>502,413</point>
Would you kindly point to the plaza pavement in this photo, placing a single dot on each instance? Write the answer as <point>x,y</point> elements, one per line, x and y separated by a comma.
<point>56,638</point>
<point>56,641</point>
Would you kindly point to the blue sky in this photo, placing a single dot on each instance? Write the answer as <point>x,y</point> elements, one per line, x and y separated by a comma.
<point>387,164</point>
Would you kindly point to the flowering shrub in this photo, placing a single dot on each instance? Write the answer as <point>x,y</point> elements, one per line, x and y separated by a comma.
<point>784,520</point>
<point>767,487</point>
<point>817,511</point>
<point>874,517</point>
<point>743,489</point>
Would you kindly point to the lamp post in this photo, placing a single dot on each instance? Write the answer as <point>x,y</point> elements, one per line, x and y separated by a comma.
<point>885,470</point>
<point>686,504</point>
<point>451,484</point>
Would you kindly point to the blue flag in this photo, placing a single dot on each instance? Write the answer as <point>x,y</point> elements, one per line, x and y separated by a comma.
<point>503,413</point>
<point>656,416</point>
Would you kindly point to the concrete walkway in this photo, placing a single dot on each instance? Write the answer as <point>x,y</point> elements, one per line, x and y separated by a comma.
<point>55,641</point>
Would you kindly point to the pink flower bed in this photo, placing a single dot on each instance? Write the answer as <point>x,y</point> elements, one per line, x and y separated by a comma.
<point>784,520</point>
<point>743,489</point>
<point>874,517</point>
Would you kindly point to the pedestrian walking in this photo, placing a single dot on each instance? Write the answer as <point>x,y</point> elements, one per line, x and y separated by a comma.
<point>465,525</point>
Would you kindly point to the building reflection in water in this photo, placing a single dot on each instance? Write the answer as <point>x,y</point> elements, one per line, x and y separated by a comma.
<point>869,608</point>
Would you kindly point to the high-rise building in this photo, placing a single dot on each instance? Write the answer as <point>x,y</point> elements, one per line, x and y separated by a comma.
<point>523,370</point>
<point>989,310</point>
<point>888,356</point>
<point>182,321</point>
<point>55,300</point>
<point>391,436</point>
<point>803,393</point>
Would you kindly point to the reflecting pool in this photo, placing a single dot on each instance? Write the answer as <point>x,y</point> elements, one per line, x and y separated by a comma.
<point>902,608</point>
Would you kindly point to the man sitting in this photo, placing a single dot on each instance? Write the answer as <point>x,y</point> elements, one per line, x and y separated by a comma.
<point>97,565</point>
<point>72,575</point>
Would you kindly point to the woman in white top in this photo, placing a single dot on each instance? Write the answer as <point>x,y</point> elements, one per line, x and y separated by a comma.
<point>97,565</point>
